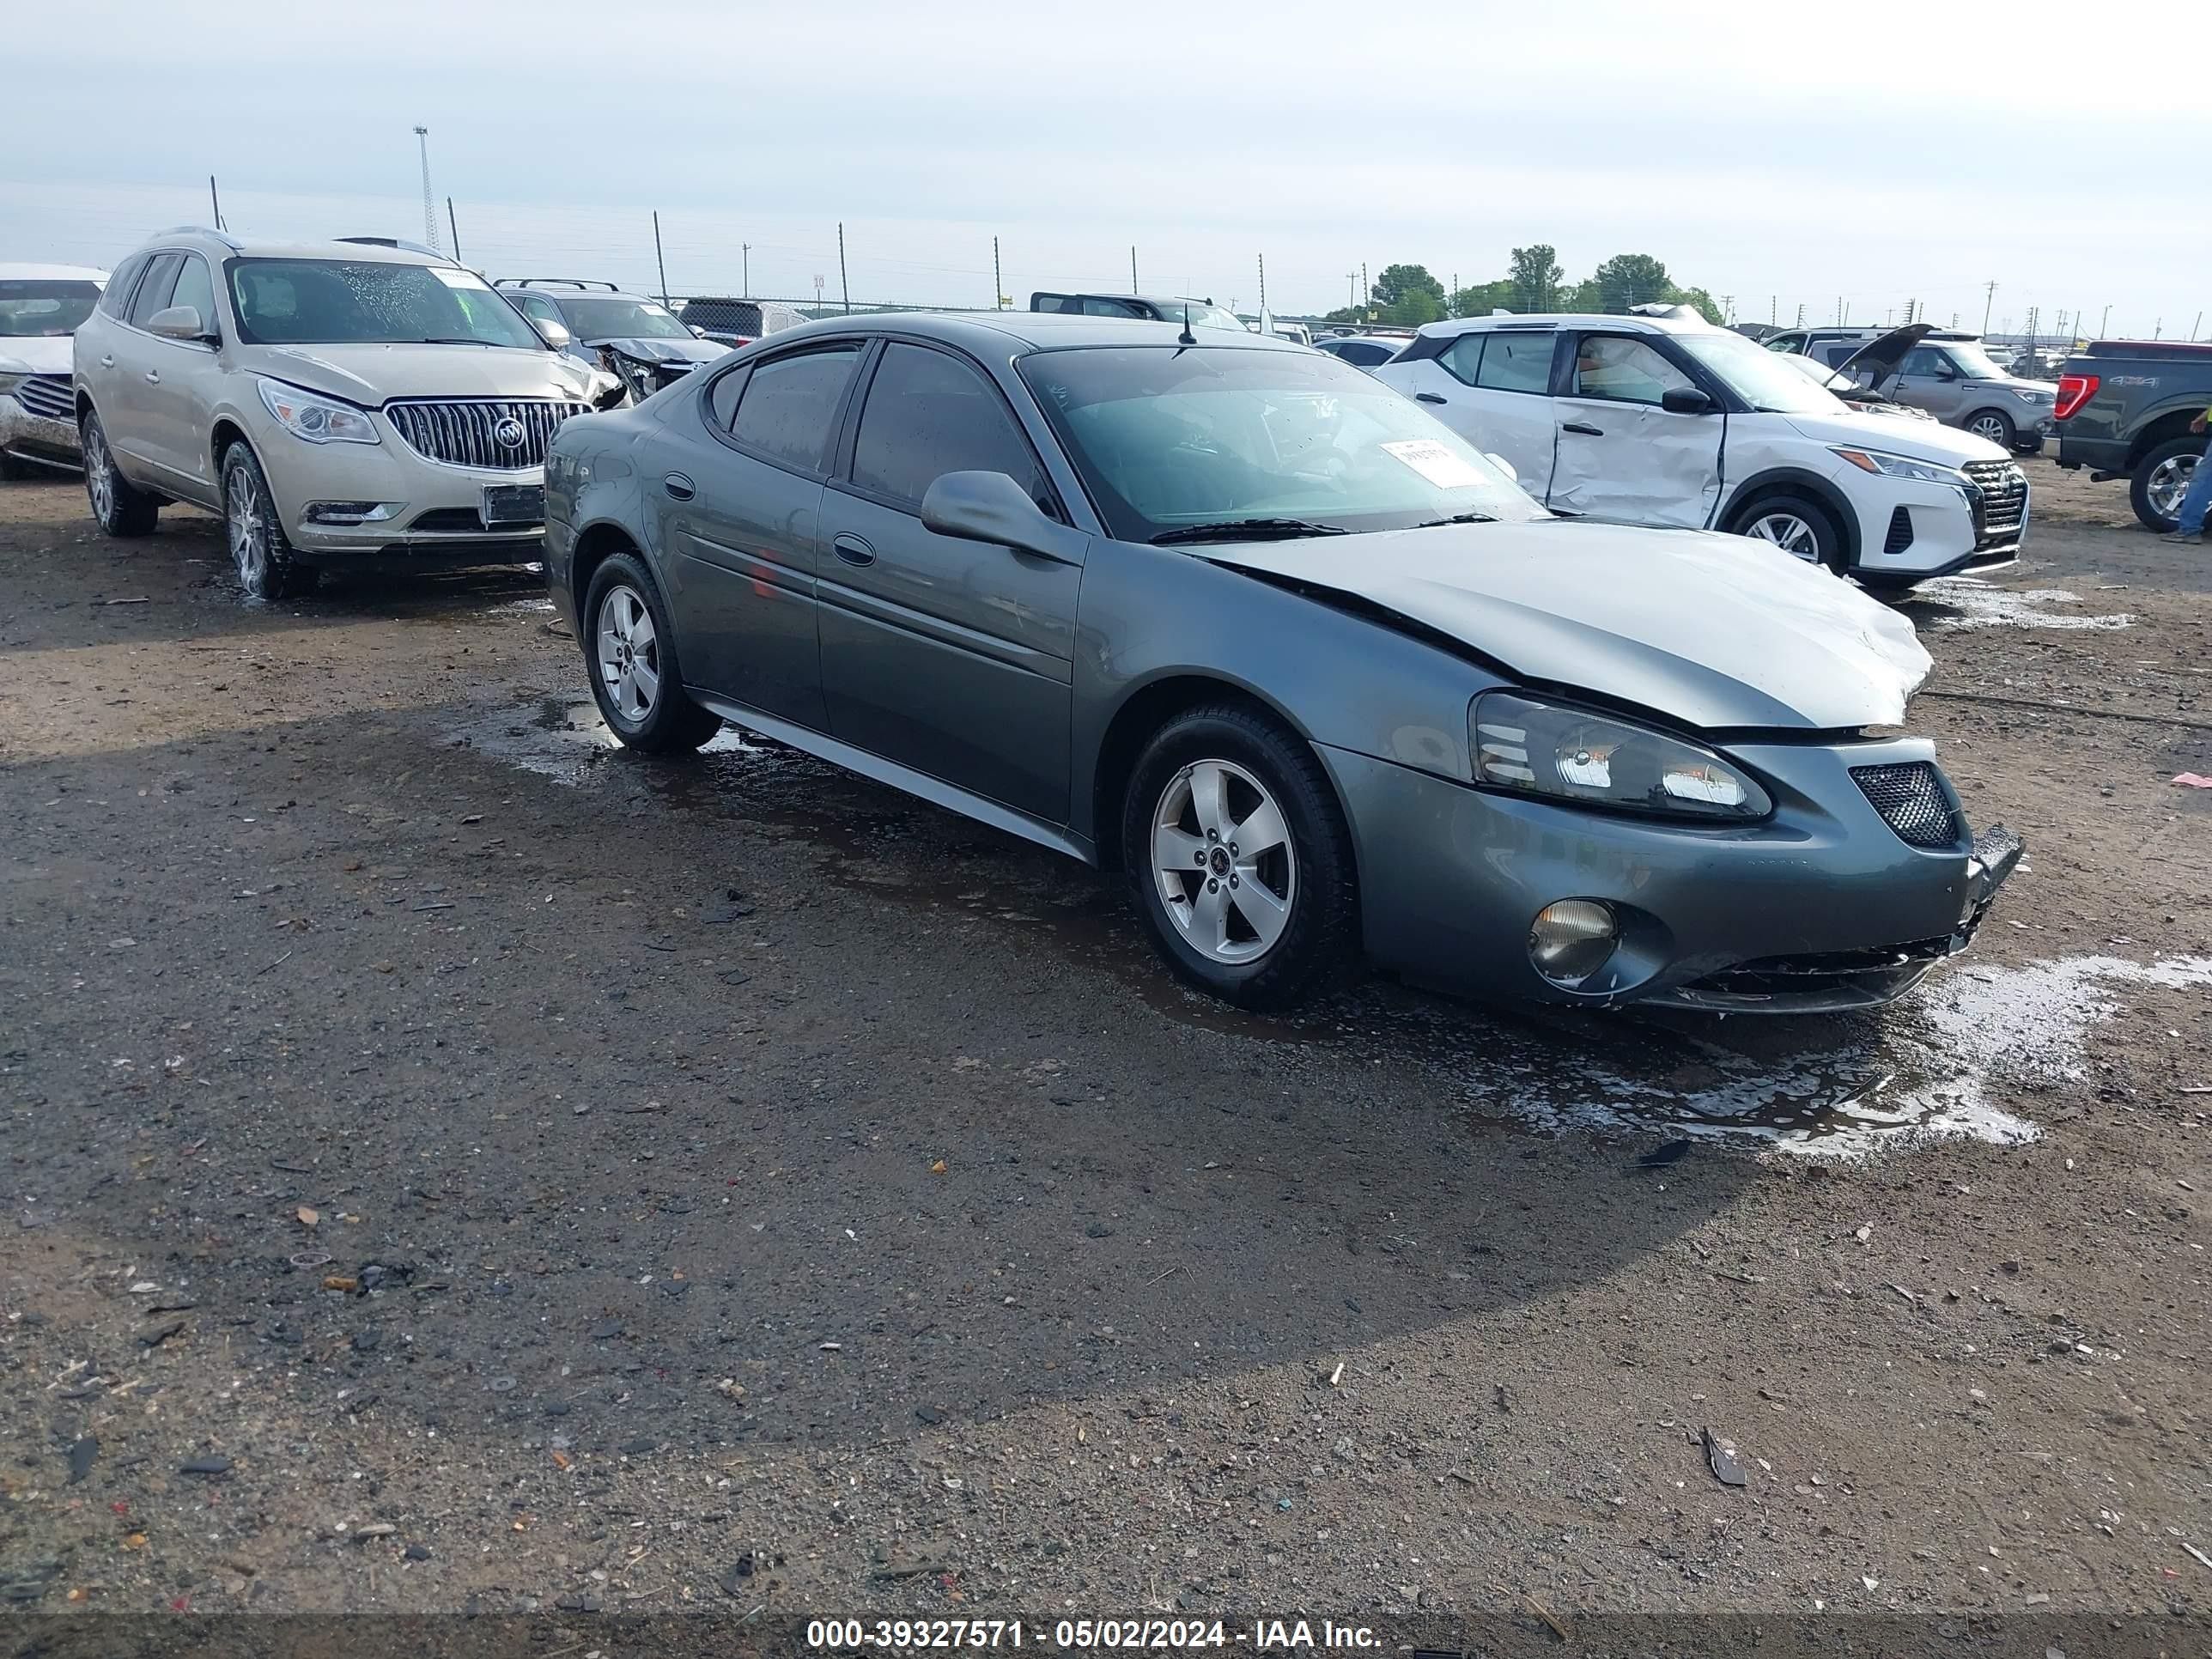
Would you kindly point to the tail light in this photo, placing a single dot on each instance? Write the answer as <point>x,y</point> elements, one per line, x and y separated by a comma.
<point>2074,391</point>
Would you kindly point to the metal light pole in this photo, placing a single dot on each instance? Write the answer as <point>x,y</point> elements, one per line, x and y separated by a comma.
<point>430,207</point>
<point>1988,299</point>
<point>844,282</point>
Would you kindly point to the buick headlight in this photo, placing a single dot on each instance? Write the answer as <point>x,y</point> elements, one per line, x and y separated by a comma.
<point>1571,755</point>
<point>1904,466</point>
<point>317,419</point>
<point>12,378</point>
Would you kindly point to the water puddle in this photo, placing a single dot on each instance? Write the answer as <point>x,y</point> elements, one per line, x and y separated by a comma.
<point>1976,604</point>
<point>1963,1057</point>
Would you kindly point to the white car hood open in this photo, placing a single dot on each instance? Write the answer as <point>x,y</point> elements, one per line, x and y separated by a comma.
<point>1720,632</point>
<point>369,374</point>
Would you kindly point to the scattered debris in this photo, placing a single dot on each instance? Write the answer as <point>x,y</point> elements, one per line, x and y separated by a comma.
<point>1659,1156</point>
<point>81,1455</point>
<point>307,1217</point>
<point>207,1463</point>
<point>2193,780</point>
<point>1558,1628</point>
<point>2201,1557</point>
<point>1721,1460</point>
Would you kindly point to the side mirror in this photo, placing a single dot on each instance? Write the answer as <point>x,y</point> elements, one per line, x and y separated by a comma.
<point>1685,400</point>
<point>990,507</point>
<point>179,323</point>
<point>1502,464</point>
<point>556,336</point>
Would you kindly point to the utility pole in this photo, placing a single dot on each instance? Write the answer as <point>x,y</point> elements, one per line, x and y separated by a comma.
<point>453,225</point>
<point>844,282</point>
<point>1773,311</point>
<point>745,267</point>
<point>1839,311</point>
<point>1988,299</point>
<point>2105,322</point>
<point>1351,290</point>
<point>429,211</point>
<point>1263,287</point>
<point>1133,267</point>
<point>1800,316</point>
<point>2158,328</point>
<point>2194,326</point>
<point>657,260</point>
<point>1366,295</point>
<point>998,282</point>
<point>214,202</point>
<point>1728,308</point>
<point>1451,300</point>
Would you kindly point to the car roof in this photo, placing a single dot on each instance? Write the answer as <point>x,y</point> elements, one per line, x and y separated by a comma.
<point>28,273</point>
<point>359,250</point>
<point>1546,322</point>
<point>987,332</point>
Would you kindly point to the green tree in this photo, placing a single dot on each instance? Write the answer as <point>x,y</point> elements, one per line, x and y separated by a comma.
<point>1631,279</point>
<point>1406,297</point>
<point>1483,298</point>
<point>1536,278</point>
<point>1703,301</point>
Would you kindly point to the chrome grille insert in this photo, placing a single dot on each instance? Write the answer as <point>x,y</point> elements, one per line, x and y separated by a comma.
<point>47,396</point>
<point>497,434</point>
<point>2000,501</point>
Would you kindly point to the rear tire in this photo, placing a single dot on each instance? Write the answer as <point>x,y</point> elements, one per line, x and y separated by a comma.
<point>1995,425</point>
<point>1800,528</point>
<point>629,652</point>
<point>1239,859</point>
<point>261,554</point>
<point>2162,476</point>
<point>119,506</point>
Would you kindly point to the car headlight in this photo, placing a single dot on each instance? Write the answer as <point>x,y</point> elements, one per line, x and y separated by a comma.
<point>1571,755</point>
<point>2040,397</point>
<point>317,419</point>
<point>1903,467</point>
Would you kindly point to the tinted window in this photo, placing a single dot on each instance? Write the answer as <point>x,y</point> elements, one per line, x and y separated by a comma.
<point>1837,351</point>
<point>153,292</point>
<point>929,414</point>
<point>1623,371</point>
<point>1051,302</point>
<point>1517,362</point>
<point>1093,305</point>
<point>1926,361</point>
<point>118,293</point>
<point>1367,354</point>
<point>537,308</point>
<point>722,400</point>
<point>788,404</point>
<point>196,288</point>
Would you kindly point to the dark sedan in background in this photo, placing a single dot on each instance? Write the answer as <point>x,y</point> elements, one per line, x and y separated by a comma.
<point>1232,617</point>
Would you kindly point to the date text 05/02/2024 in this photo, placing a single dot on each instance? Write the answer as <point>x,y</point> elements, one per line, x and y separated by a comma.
<point>916,1635</point>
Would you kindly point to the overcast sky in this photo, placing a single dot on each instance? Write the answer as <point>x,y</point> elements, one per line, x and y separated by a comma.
<point>1785,155</point>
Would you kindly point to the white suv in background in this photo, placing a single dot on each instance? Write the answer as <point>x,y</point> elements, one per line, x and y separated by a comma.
<point>40,306</point>
<point>338,403</point>
<point>1669,421</point>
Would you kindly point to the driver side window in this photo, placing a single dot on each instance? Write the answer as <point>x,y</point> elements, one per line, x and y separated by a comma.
<point>1926,363</point>
<point>1623,371</point>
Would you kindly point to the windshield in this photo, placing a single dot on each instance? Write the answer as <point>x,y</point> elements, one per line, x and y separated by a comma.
<point>621,320</point>
<point>1201,315</point>
<point>33,309</point>
<point>1974,362</point>
<point>1760,378</point>
<point>371,302</point>
<point>1169,438</point>
<point>1821,374</point>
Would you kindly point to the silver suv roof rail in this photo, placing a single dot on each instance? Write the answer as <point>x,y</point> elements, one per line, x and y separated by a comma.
<point>554,281</point>
<point>400,243</point>
<point>224,237</point>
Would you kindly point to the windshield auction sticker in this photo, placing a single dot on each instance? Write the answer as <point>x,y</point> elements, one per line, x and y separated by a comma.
<point>1437,463</point>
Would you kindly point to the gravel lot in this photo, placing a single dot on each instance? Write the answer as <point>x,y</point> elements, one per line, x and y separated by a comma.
<point>452,1163</point>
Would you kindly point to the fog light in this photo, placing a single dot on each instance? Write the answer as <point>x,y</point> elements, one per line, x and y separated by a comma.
<point>1571,940</point>
<point>351,512</point>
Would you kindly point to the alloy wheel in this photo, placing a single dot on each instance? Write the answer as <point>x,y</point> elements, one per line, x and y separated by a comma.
<point>629,654</point>
<point>2169,482</point>
<point>248,532</point>
<point>99,472</point>
<point>1992,428</point>
<point>1786,532</point>
<point>1223,861</point>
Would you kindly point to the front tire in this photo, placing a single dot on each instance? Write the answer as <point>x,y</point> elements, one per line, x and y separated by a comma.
<point>119,506</point>
<point>1800,528</point>
<point>2161,479</point>
<point>263,556</point>
<point>1996,426</point>
<point>1239,859</point>
<point>630,650</point>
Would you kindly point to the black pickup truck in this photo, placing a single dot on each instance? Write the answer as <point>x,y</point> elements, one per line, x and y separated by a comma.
<point>2123,411</point>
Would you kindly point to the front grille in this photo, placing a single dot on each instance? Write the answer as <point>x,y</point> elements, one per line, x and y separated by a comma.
<point>2000,501</point>
<point>447,519</point>
<point>464,432</point>
<point>1900,532</point>
<point>48,396</point>
<point>1912,800</point>
<point>1833,979</point>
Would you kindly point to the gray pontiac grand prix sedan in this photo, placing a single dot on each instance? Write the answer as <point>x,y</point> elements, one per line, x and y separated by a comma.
<point>1231,616</point>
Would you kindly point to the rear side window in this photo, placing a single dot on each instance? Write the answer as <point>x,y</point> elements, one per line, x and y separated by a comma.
<point>928,414</point>
<point>1097,306</point>
<point>1462,358</point>
<point>116,294</point>
<point>1052,302</point>
<point>788,404</point>
<point>153,292</point>
<point>1517,362</point>
<point>722,398</point>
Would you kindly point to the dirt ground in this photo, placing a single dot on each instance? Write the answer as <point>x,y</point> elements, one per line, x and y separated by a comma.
<point>453,1164</point>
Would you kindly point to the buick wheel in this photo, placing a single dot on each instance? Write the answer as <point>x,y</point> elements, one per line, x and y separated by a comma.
<point>629,652</point>
<point>260,552</point>
<point>119,507</point>
<point>1238,857</point>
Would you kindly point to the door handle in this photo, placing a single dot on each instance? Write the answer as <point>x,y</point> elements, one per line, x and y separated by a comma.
<point>851,549</point>
<point>108,361</point>
<point>1430,398</point>
<point>152,377</point>
<point>1584,428</point>
<point>679,486</point>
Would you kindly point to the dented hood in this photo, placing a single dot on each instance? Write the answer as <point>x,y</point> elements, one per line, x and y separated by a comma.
<point>1718,631</point>
<point>368,374</point>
